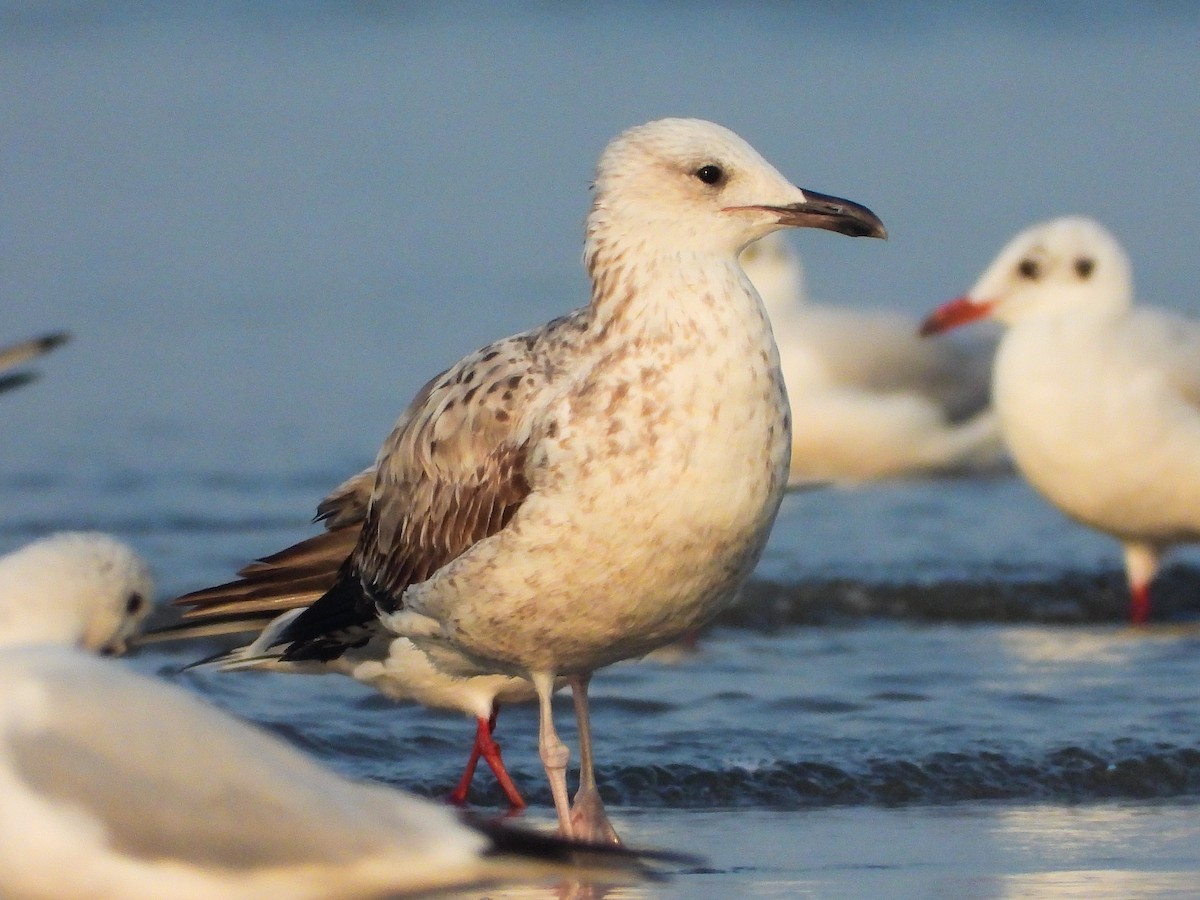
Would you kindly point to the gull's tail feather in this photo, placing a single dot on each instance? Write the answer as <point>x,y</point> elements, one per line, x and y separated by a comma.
<point>208,628</point>
<point>595,861</point>
<point>292,579</point>
<point>256,655</point>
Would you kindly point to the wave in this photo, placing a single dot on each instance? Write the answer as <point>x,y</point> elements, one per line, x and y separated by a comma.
<point>1068,774</point>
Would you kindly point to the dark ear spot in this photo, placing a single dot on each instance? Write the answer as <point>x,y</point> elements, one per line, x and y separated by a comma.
<point>1084,266</point>
<point>135,603</point>
<point>1029,268</point>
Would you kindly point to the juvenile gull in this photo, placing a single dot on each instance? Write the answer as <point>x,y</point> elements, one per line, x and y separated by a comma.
<point>82,589</point>
<point>293,579</point>
<point>597,487</point>
<point>114,784</point>
<point>1099,401</point>
<point>23,351</point>
<point>869,398</point>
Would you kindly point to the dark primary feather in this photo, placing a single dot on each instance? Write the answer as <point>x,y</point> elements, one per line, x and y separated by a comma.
<point>292,578</point>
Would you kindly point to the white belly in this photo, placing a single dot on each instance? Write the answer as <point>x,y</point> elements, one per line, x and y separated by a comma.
<point>1098,428</point>
<point>653,502</point>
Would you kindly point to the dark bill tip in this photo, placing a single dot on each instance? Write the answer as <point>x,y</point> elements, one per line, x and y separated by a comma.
<point>832,214</point>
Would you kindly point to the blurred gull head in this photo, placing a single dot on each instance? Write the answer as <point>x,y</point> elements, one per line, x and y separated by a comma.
<point>84,589</point>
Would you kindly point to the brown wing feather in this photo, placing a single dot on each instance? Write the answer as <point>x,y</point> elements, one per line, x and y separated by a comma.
<point>289,579</point>
<point>453,471</point>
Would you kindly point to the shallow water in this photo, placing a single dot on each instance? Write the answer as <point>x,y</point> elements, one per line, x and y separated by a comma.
<point>1097,852</point>
<point>267,228</point>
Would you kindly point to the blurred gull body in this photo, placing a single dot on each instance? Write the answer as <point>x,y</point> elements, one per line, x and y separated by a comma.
<point>116,785</point>
<point>22,352</point>
<point>869,398</point>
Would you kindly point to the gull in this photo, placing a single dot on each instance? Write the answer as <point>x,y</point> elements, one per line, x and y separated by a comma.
<point>84,589</point>
<point>23,351</point>
<point>1099,400</point>
<point>597,487</point>
<point>116,784</point>
<point>869,398</point>
<point>296,577</point>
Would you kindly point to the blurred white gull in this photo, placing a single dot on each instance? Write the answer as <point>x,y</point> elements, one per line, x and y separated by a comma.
<point>527,516</point>
<point>114,784</point>
<point>1099,401</point>
<point>292,580</point>
<point>22,352</point>
<point>83,589</point>
<point>869,398</point>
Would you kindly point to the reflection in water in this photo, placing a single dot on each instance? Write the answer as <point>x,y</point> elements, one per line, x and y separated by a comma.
<point>1115,851</point>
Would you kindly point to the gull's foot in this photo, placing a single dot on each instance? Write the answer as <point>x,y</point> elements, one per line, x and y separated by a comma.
<point>589,820</point>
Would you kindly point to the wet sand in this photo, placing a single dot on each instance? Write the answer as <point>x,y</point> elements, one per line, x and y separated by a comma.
<point>1095,851</point>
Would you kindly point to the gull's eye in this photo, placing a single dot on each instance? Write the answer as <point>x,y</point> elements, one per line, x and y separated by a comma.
<point>1029,269</point>
<point>134,603</point>
<point>1084,266</point>
<point>710,174</point>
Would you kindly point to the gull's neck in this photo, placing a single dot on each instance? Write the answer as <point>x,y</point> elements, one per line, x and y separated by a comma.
<point>648,285</point>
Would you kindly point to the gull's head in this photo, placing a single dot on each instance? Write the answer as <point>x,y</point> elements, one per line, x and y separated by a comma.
<point>1062,267</point>
<point>687,184</point>
<point>80,589</point>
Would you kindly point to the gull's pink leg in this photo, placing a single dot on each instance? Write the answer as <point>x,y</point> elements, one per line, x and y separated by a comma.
<point>459,795</point>
<point>491,755</point>
<point>1141,564</point>
<point>588,818</point>
<point>553,751</point>
<point>1139,607</point>
<point>486,746</point>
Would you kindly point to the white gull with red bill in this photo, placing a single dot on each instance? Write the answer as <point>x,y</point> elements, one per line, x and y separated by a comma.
<point>1099,400</point>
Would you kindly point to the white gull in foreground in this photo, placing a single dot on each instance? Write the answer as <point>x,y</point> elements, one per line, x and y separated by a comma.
<point>118,785</point>
<point>1099,400</point>
<point>597,487</point>
<point>82,589</point>
<point>23,351</point>
<point>869,398</point>
<point>292,580</point>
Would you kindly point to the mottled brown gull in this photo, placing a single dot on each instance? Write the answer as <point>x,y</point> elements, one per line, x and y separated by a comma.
<point>297,576</point>
<point>597,487</point>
